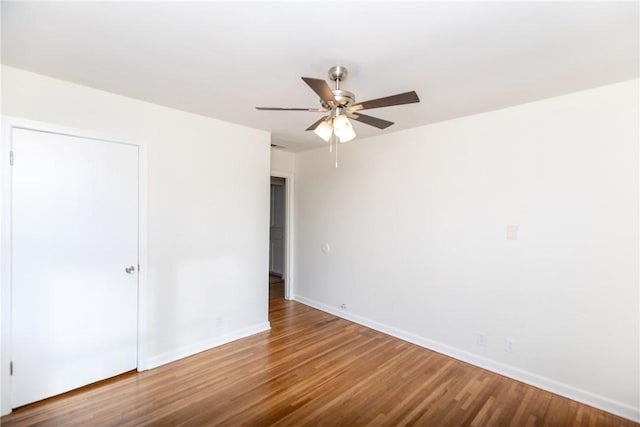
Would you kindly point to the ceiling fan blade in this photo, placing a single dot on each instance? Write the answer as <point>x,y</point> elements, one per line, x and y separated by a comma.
<point>400,99</point>
<point>315,125</point>
<point>316,110</point>
<point>320,87</point>
<point>371,121</point>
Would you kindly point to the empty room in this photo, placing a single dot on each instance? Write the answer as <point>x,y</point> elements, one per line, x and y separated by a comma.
<point>307,213</point>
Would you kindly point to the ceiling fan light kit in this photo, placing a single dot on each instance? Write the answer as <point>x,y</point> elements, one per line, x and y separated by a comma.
<point>342,128</point>
<point>341,106</point>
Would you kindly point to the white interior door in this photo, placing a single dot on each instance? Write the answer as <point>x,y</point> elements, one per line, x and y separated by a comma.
<point>74,231</point>
<point>276,231</point>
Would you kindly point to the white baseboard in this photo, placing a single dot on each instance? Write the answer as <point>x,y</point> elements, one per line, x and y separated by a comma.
<point>565,390</point>
<point>186,351</point>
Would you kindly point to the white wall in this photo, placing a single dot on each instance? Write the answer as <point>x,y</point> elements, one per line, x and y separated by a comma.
<point>282,161</point>
<point>416,221</point>
<point>208,209</point>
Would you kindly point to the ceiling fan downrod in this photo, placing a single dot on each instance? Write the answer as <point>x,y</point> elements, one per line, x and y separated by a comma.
<point>338,73</point>
<point>342,98</point>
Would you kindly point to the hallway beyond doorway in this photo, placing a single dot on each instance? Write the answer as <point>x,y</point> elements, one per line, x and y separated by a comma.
<point>276,288</point>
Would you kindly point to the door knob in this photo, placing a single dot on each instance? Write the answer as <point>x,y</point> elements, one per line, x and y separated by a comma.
<point>130,270</point>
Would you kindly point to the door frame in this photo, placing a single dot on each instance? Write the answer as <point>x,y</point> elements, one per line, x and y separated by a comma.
<point>289,211</point>
<point>8,124</point>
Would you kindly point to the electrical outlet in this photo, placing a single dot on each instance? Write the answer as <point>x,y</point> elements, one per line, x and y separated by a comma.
<point>509,345</point>
<point>481,339</point>
<point>343,306</point>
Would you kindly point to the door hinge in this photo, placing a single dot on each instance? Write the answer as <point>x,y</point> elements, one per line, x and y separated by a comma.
<point>10,368</point>
<point>11,158</point>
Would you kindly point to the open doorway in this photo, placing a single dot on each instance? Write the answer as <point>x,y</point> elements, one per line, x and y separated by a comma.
<point>281,235</point>
<point>277,237</point>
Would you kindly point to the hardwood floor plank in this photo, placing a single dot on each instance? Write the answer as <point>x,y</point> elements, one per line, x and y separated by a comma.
<point>312,369</point>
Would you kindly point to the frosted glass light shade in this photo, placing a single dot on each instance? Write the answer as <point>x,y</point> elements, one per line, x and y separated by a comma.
<point>347,135</point>
<point>343,129</point>
<point>324,131</point>
<point>341,124</point>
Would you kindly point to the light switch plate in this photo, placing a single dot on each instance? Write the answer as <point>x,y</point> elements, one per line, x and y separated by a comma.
<point>512,232</point>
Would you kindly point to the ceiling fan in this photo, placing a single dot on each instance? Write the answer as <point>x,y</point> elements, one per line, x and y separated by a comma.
<point>341,106</point>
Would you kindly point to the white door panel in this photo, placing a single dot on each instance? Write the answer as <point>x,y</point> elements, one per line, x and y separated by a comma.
<point>74,229</point>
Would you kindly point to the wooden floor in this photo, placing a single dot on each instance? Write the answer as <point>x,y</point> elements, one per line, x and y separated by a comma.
<point>312,369</point>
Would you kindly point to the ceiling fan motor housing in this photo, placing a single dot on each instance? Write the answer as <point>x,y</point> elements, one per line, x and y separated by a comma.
<point>344,98</point>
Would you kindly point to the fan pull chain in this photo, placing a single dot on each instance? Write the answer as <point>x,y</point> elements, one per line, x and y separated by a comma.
<point>331,143</point>
<point>336,154</point>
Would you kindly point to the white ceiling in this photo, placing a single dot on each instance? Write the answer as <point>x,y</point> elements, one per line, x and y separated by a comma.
<point>221,59</point>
